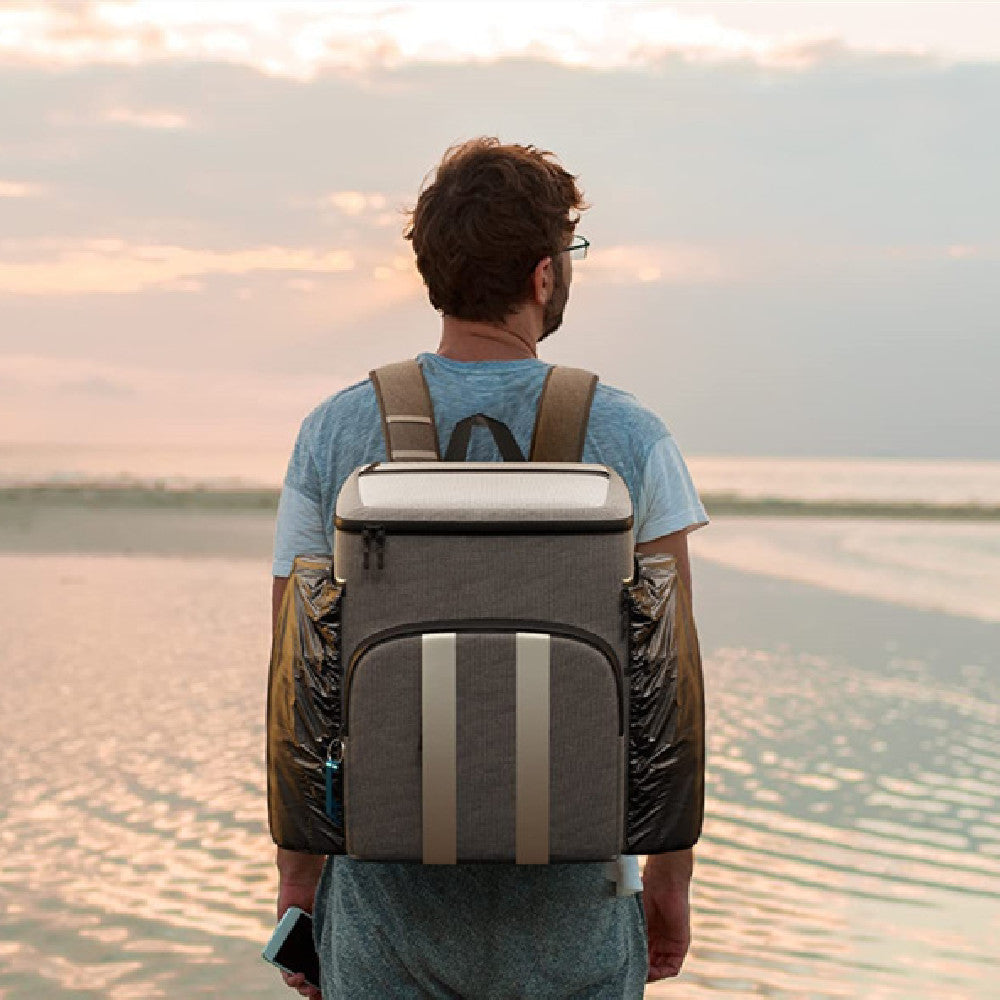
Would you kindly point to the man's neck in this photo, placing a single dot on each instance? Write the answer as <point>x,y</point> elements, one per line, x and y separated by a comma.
<point>465,341</point>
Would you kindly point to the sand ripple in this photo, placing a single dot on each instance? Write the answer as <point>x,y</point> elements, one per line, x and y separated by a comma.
<point>852,843</point>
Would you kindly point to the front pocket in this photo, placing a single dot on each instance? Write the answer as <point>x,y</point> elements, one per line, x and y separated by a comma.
<point>489,740</point>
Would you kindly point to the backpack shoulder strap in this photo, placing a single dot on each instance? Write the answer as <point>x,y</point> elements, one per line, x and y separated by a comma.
<point>404,402</point>
<point>562,415</point>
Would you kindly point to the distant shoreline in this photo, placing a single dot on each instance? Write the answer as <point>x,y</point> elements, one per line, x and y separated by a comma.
<point>199,498</point>
<point>258,500</point>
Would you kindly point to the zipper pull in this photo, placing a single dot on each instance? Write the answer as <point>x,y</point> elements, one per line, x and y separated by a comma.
<point>380,542</point>
<point>334,763</point>
<point>366,539</point>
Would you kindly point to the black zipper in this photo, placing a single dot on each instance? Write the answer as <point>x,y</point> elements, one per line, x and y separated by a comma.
<point>372,531</point>
<point>486,625</point>
<point>376,533</point>
<point>582,527</point>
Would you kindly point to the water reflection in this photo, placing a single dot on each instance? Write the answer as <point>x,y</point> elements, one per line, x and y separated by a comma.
<point>852,833</point>
<point>852,841</point>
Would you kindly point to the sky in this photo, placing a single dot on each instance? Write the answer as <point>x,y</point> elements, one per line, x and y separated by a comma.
<point>795,220</point>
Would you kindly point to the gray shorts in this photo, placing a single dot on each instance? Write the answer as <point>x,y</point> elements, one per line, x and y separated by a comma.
<point>389,931</point>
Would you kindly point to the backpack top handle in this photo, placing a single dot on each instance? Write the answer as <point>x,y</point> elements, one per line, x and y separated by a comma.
<point>458,443</point>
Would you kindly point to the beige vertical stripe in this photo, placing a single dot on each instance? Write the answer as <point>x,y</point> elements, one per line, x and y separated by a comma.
<point>438,721</point>
<point>531,831</point>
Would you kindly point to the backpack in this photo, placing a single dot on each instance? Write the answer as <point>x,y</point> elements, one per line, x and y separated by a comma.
<point>485,669</point>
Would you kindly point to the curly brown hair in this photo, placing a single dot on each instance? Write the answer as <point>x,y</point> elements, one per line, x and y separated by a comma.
<point>491,214</point>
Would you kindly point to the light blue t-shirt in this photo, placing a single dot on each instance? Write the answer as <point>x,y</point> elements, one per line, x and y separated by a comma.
<point>345,431</point>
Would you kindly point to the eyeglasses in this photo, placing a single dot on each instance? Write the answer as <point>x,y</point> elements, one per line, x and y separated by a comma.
<point>577,250</point>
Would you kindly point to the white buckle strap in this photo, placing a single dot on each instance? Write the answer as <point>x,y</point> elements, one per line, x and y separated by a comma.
<point>413,453</point>
<point>407,418</point>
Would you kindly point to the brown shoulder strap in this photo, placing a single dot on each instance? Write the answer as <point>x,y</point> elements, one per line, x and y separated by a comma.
<point>407,412</point>
<point>562,415</point>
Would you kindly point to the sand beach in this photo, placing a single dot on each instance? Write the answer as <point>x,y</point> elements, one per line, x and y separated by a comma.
<point>852,836</point>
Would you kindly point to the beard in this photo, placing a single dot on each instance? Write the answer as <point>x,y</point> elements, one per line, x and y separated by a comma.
<point>552,316</point>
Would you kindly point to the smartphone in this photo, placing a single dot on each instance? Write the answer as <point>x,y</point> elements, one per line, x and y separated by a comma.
<point>291,947</point>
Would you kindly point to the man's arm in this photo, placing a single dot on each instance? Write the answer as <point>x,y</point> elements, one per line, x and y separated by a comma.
<point>279,585</point>
<point>298,874</point>
<point>675,545</point>
<point>666,878</point>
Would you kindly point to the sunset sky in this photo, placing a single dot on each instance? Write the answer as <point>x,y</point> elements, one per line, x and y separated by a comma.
<point>795,225</point>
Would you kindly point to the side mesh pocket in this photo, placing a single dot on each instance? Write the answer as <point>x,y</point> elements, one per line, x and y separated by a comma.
<point>303,708</point>
<point>666,758</point>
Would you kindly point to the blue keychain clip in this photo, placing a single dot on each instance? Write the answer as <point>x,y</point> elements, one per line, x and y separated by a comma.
<point>334,762</point>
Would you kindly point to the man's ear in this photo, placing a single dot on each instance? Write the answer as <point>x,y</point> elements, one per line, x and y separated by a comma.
<point>543,281</point>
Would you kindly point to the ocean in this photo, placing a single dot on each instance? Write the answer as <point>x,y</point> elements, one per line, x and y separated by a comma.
<point>929,480</point>
<point>852,832</point>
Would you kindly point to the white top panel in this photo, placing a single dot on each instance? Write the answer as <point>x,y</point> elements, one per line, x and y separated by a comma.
<point>478,485</point>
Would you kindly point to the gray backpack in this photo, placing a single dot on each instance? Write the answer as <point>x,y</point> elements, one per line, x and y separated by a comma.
<point>485,670</point>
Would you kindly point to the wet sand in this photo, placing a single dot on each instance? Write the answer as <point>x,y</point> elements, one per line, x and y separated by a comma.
<point>139,523</point>
<point>852,837</point>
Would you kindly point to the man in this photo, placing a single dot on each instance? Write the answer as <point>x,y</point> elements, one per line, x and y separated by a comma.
<point>494,240</point>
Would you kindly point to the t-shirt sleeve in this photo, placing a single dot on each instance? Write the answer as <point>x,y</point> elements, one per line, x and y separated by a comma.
<point>667,499</point>
<point>299,528</point>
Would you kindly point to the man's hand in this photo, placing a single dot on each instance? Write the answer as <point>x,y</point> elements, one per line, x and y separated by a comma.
<point>666,879</point>
<point>298,875</point>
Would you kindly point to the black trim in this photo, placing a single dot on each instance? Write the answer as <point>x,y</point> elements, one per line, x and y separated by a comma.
<point>576,527</point>
<point>485,625</point>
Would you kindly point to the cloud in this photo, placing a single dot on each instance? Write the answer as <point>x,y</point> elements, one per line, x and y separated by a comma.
<point>97,386</point>
<point>370,208</point>
<point>20,189</point>
<point>654,262</point>
<point>153,118</point>
<point>787,240</point>
<point>952,251</point>
<point>73,399</point>
<point>354,202</point>
<point>42,375</point>
<point>147,118</point>
<point>299,38</point>
<point>114,267</point>
<point>960,250</point>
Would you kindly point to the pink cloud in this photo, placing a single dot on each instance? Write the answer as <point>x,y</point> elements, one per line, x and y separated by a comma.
<point>114,267</point>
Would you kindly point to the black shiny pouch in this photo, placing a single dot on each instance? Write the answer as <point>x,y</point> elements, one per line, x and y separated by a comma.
<point>665,800</point>
<point>304,783</point>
